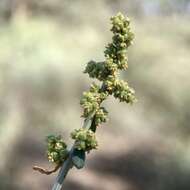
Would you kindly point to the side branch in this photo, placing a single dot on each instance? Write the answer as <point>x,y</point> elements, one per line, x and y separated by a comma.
<point>45,171</point>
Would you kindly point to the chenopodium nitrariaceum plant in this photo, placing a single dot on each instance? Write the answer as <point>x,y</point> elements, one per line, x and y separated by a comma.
<point>107,73</point>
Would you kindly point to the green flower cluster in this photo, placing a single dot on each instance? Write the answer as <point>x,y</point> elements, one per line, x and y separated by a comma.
<point>120,90</point>
<point>100,116</point>
<point>91,101</point>
<point>96,70</point>
<point>107,71</point>
<point>85,139</point>
<point>57,149</point>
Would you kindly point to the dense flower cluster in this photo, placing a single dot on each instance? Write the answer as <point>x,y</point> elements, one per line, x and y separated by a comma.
<point>91,101</point>
<point>100,116</point>
<point>57,149</point>
<point>85,139</point>
<point>120,90</point>
<point>107,73</point>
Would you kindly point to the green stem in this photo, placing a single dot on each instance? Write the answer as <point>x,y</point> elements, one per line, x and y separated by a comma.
<point>63,172</point>
<point>67,165</point>
<point>106,72</point>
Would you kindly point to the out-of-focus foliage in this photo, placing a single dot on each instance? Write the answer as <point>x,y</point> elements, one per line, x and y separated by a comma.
<point>42,55</point>
<point>66,9</point>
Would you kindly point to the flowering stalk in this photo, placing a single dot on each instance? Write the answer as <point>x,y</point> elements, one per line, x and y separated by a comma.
<point>93,112</point>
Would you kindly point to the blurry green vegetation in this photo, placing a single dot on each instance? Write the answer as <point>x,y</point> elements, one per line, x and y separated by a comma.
<point>60,10</point>
<point>41,62</point>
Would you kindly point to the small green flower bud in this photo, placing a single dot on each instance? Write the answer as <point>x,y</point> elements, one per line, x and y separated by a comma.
<point>57,149</point>
<point>101,116</point>
<point>88,143</point>
<point>54,156</point>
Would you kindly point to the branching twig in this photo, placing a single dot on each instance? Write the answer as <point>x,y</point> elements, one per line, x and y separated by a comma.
<point>45,171</point>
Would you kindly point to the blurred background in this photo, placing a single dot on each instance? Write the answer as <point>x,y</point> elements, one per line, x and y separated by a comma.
<point>44,47</point>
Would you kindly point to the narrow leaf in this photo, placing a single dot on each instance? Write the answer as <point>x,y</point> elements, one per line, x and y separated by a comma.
<point>78,158</point>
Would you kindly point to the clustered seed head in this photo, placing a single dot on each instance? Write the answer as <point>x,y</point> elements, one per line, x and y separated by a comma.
<point>107,73</point>
<point>96,70</point>
<point>120,90</point>
<point>57,149</point>
<point>91,101</point>
<point>85,139</point>
<point>101,116</point>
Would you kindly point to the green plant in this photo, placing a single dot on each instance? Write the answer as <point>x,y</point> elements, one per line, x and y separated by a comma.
<point>93,112</point>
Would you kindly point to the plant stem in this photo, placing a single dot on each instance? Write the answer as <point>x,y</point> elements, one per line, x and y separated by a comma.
<point>67,165</point>
<point>63,172</point>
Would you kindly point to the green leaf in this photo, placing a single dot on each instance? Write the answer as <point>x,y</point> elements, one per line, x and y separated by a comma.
<point>78,158</point>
